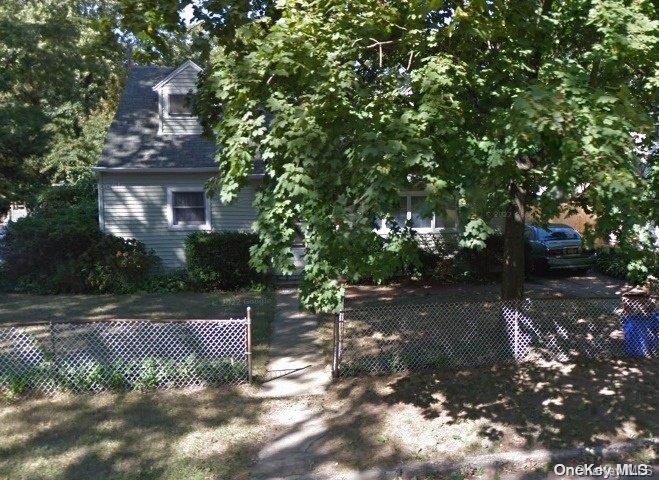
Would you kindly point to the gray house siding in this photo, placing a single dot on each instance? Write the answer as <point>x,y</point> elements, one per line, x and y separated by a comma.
<point>134,205</point>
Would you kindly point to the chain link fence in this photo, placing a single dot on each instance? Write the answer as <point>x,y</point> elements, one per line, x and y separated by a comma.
<point>124,354</point>
<point>389,338</point>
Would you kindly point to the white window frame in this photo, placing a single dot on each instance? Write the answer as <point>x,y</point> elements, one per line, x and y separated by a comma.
<point>384,229</point>
<point>170,209</point>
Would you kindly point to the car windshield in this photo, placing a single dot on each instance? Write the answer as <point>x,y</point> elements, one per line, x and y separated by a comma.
<point>557,234</point>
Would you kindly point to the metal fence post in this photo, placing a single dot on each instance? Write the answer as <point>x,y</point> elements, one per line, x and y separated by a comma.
<point>53,353</point>
<point>335,349</point>
<point>248,340</point>
<point>341,335</point>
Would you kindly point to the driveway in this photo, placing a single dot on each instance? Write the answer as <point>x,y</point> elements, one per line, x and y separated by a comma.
<point>590,284</point>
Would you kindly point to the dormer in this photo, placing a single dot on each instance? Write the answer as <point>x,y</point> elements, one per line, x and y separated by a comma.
<point>175,93</point>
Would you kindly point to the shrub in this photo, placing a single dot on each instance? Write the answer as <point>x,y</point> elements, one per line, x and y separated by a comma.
<point>59,248</point>
<point>116,265</point>
<point>627,263</point>
<point>612,262</point>
<point>220,260</point>
<point>167,282</point>
<point>444,258</point>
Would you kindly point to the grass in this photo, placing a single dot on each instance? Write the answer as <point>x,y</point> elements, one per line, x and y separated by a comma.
<point>195,434</point>
<point>371,422</point>
<point>24,308</point>
<point>170,434</point>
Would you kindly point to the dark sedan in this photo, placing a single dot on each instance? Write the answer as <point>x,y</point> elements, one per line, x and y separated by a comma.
<point>555,247</point>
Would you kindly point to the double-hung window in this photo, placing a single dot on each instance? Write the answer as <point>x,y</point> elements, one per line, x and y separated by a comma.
<point>410,212</point>
<point>188,208</point>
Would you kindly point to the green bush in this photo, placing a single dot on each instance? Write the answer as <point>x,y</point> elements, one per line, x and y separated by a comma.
<point>59,248</point>
<point>627,263</point>
<point>444,259</point>
<point>167,282</point>
<point>220,260</point>
<point>116,265</point>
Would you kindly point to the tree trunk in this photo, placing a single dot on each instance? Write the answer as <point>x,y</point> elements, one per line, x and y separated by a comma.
<point>512,284</point>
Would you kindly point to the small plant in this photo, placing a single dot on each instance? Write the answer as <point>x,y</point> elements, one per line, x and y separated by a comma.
<point>217,372</point>
<point>113,377</point>
<point>82,377</point>
<point>154,372</point>
<point>15,384</point>
<point>167,282</point>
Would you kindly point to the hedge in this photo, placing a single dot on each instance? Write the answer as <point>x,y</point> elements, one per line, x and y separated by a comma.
<point>220,260</point>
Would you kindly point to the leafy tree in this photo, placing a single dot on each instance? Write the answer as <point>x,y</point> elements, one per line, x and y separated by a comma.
<point>61,60</point>
<point>511,105</point>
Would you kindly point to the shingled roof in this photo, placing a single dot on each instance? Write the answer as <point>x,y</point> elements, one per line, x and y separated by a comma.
<point>133,142</point>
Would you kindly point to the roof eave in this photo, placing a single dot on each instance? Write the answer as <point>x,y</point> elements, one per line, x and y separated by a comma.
<point>98,169</point>
<point>183,66</point>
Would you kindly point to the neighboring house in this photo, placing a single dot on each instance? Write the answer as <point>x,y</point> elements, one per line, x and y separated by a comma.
<point>155,163</point>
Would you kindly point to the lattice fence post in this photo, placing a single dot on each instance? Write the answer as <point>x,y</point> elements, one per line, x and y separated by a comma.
<point>336,353</point>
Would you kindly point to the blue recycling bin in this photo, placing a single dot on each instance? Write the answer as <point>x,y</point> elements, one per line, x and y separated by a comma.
<point>641,334</point>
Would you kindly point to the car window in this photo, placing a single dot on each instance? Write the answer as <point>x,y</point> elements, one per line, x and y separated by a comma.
<point>558,234</point>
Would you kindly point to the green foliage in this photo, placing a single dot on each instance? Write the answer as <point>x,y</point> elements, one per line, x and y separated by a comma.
<point>116,265</point>
<point>167,282</point>
<point>348,104</point>
<point>220,260</point>
<point>59,248</point>
<point>76,144</point>
<point>147,374</point>
<point>83,377</point>
<point>16,385</point>
<point>445,259</point>
<point>59,82</point>
<point>475,234</point>
<point>627,263</point>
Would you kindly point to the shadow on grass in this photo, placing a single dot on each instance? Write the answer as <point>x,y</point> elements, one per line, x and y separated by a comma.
<point>552,406</point>
<point>24,308</point>
<point>174,434</point>
<point>381,422</point>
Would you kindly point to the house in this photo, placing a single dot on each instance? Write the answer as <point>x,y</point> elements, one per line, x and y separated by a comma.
<point>155,163</point>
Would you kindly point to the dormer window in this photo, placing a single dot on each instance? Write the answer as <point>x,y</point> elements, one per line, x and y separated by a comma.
<point>175,101</point>
<point>179,105</point>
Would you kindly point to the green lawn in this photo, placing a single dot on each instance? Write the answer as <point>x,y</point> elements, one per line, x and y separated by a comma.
<point>21,308</point>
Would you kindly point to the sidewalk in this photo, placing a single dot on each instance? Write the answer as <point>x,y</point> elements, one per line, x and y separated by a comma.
<point>297,371</point>
<point>297,366</point>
